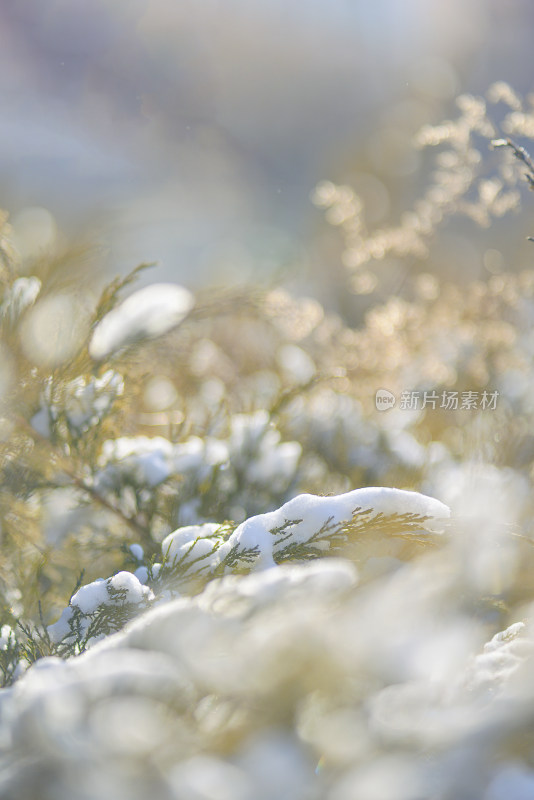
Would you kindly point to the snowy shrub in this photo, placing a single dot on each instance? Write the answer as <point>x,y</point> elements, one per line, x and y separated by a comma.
<point>227,571</point>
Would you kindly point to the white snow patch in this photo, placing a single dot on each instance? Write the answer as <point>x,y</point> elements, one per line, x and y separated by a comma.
<point>145,459</point>
<point>137,551</point>
<point>326,577</point>
<point>130,585</point>
<point>19,297</point>
<point>89,597</point>
<point>141,573</point>
<point>61,629</point>
<point>307,514</point>
<point>176,544</point>
<point>147,313</point>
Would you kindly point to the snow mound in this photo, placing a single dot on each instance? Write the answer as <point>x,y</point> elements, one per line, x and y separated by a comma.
<point>147,313</point>
<point>307,515</point>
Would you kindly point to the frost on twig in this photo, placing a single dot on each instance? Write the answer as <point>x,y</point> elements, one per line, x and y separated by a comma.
<point>521,154</point>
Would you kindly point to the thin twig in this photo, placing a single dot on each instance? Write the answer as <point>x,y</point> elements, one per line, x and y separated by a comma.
<point>82,485</point>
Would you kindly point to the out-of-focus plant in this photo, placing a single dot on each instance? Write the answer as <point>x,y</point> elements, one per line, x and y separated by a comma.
<point>192,461</point>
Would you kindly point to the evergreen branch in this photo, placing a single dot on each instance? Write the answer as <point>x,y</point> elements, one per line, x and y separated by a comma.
<point>110,296</point>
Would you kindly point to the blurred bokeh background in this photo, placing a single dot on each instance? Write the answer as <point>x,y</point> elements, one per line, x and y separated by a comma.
<point>193,133</point>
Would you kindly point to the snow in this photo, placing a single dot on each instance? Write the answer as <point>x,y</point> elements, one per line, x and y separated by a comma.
<point>137,552</point>
<point>89,597</point>
<point>151,460</point>
<point>276,462</point>
<point>144,459</point>
<point>129,584</point>
<point>248,429</point>
<point>88,401</point>
<point>147,313</point>
<point>255,441</point>
<point>299,642</point>
<point>512,782</point>
<point>250,466</point>
<point>20,296</point>
<point>505,637</point>
<point>176,544</point>
<point>6,636</point>
<point>194,547</point>
<point>40,422</point>
<point>141,573</point>
<point>255,444</point>
<point>61,629</point>
<point>296,363</point>
<point>198,456</point>
<point>327,577</point>
<point>500,658</point>
<point>256,542</point>
<point>84,401</point>
<point>210,777</point>
<point>93,596</point>
<point>151,469</point>
<point>125,446</point>
<point>307,514</point>
<point>202,547</point>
